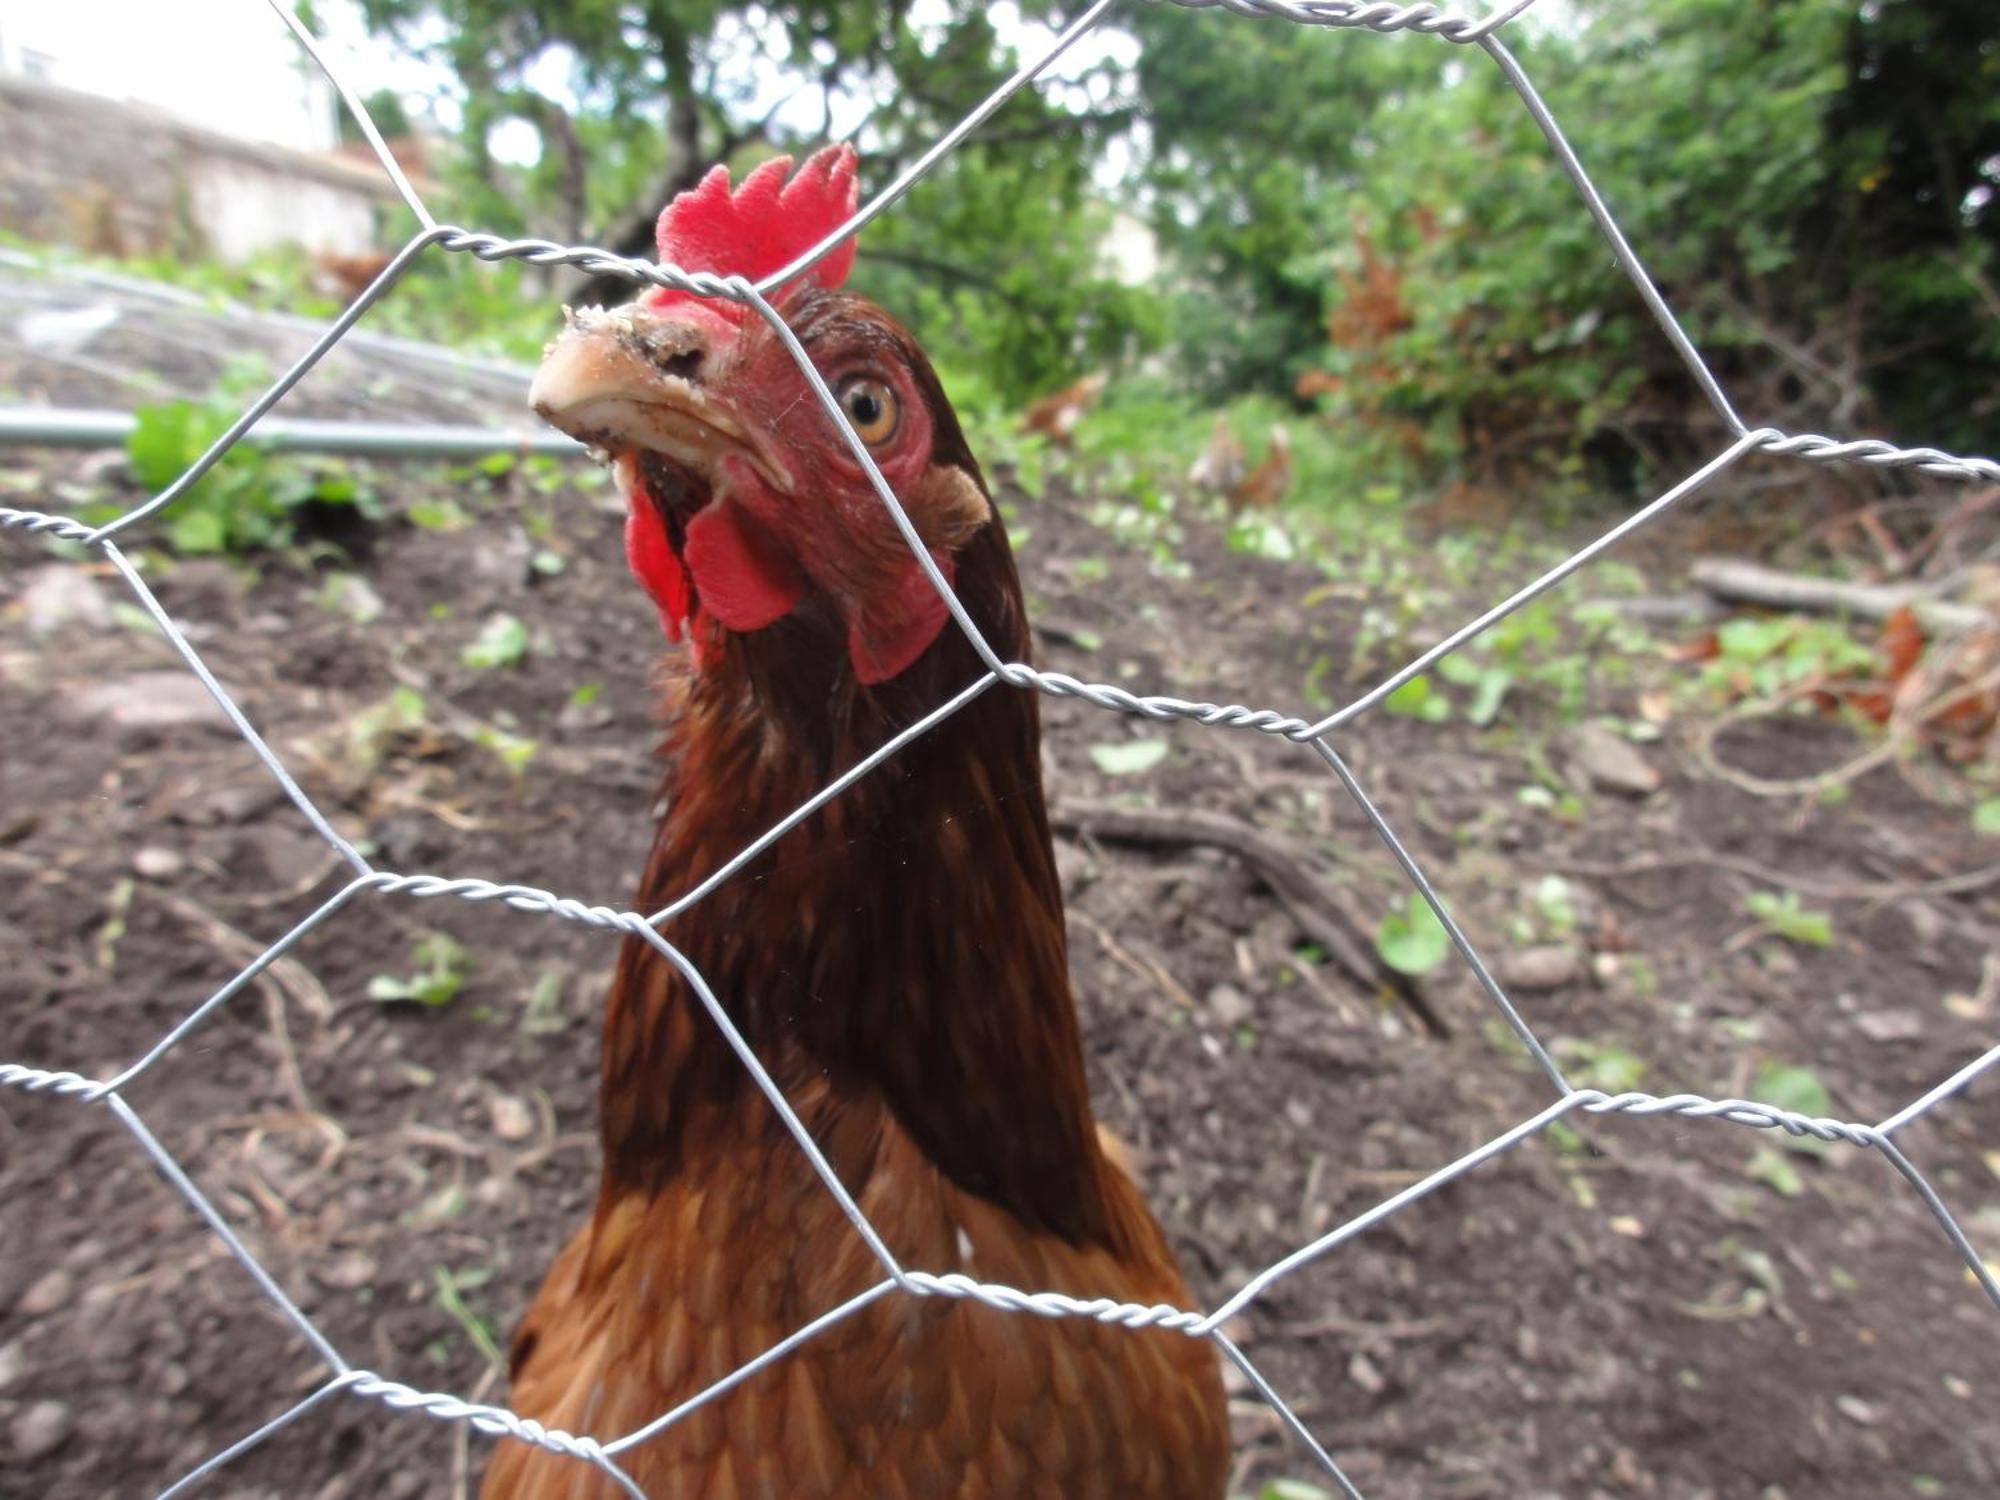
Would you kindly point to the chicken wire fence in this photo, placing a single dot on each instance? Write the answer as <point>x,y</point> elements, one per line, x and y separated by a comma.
<point>1316,736</point>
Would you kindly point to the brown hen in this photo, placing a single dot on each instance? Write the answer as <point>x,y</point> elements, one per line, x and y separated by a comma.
<point>896,961</point>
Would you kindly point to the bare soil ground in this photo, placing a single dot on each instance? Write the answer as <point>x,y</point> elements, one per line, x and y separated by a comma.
<point>1659,1308</point>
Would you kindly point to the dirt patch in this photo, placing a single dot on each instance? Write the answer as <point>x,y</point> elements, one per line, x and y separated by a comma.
<point>1660,1308</point>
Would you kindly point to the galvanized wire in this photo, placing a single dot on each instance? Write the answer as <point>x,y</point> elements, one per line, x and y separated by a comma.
<point>1569,1103</point>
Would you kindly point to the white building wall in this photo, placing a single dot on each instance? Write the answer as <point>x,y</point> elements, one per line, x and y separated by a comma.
<point>227,64</point>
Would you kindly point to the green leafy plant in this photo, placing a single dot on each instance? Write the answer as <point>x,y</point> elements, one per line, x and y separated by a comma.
<point>373,729</point>
<point>1489,684</point>
<point>1410,938</point>
<point>441,967</point>
<point>514,750</point>
<point>451,1289</point>
<point>1787,1086</point>
<point>438,513</point>
<point>1128,757</point>
<point>1776,1171</point>
<point>1600,1065</point>
<point>1799,1090</point>
<point>1554,900</point>
<point>1762,656</point>
<point>502,642</point>
<point>1417,699</point>
<point>1781,912</point>
<point>251,499</point>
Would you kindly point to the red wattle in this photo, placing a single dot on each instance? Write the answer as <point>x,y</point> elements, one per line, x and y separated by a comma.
<point>746,581</point>
<point>653,562</point>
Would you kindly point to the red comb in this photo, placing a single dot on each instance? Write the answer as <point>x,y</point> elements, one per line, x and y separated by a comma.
<point>764,224</point>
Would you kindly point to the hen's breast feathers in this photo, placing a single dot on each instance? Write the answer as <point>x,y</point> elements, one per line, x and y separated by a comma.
<point>911,1396</point>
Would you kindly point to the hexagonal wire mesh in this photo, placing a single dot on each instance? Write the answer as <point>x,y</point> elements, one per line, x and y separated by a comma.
<point>346,1380</point>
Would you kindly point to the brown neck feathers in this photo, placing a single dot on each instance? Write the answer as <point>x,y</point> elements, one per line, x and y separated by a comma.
<point>903,945</point>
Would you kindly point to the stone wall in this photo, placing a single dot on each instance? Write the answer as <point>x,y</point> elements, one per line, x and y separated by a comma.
<point>126,179</point>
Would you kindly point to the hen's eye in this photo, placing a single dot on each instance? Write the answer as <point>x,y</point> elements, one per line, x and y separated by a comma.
<point>872,407</point>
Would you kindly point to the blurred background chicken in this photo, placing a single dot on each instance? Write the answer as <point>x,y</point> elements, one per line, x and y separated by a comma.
<point>347,276</point>
<point>1219,469</point>
<point>1264,487</point>
<point>1055,416</point>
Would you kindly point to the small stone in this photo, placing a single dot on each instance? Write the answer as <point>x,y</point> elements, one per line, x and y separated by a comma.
<point>348,1272</point>
<point>1074,867</point>
<point>1545,968</point>
<point>239,802</point>
<point>13,1360</point>
<point>503,560</point>
<point>578,718</point>
<point>48,1293</point>
<point>61,595</point>
<point>1927,923</point>
<point>512,1119</point>
<point>355,597</point>
<point>1891,1026</point>
<point>152,700</point>
<point>289,855</point>
<point>1361,1370</point>
<point>39,1430</point>
<point>1612,763</point>
<point>155,863</point>
<point>1957,1385</point>
<point>1230,1006</point>
<point>1855,1410</point>
<point>1626,1473</point>
<point>213,583</point>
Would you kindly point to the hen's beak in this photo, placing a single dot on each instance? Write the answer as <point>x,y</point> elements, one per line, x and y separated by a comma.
<point>628,378</point>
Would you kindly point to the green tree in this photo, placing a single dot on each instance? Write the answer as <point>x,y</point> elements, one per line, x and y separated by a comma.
<point>995,253</point>
<point>1809,182</point>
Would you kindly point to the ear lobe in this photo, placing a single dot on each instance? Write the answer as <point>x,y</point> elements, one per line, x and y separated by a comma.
<point>888,638</point>
<point>948,506</point>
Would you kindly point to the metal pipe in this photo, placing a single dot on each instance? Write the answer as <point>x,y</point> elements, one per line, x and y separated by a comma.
<point>66,427</point>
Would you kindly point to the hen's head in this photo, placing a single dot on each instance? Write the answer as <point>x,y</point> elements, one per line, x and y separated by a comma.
<point>744,503</point>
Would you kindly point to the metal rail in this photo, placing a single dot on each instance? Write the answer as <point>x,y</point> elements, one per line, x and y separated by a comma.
<point>72,427</point>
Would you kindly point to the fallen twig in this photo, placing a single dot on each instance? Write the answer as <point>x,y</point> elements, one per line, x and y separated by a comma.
<point>1283,873</point>
<point>1742,582</point>
<point>1959,884</point>
<point>291,978</point>
<point>1898,734</point>
<point>1125,958</point>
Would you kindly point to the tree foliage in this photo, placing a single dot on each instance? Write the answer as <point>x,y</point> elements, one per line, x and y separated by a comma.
<point>1367,226</point>
<point>1808,182</point>
<point>995,254</point>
